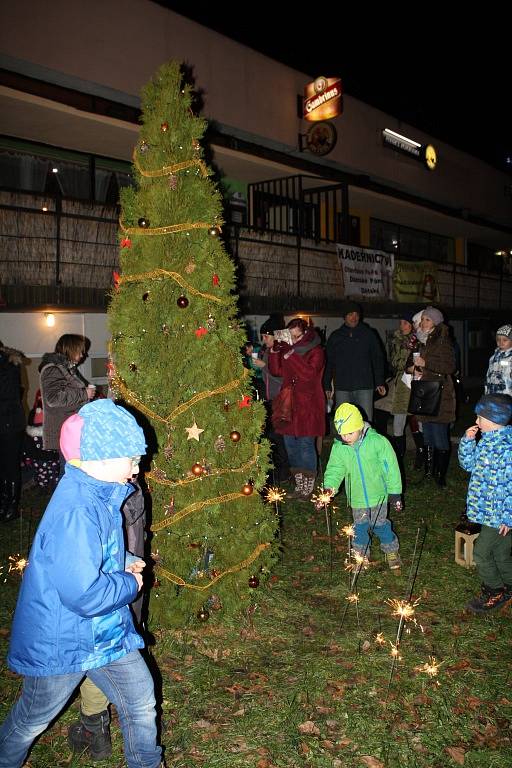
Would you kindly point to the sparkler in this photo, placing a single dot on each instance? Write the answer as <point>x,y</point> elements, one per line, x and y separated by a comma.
<point>17,563</point>
<point>274,495</point>
<point>323,498</point>
<point>379,639</point>
<point>404,609</point>
<point>430,668</point>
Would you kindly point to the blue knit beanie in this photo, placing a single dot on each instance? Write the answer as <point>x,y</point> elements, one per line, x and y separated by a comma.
<point>101,430</point>
<point>495,408</point>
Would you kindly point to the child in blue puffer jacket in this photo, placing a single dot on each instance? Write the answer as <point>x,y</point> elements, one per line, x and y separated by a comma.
<point>72,618</point>
<point>489,499</point>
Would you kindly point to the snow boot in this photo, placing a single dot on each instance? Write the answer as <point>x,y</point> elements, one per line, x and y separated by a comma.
<point>490,599</point>
<point>308,484</point>
<point>296,473</point>
<point>91,734</point>
<point>441,459</point>
<point>393,561</point>
<point>420,450</point>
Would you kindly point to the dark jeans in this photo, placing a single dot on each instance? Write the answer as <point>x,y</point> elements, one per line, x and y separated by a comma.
<point>493,558</point>
<point>436,435</point>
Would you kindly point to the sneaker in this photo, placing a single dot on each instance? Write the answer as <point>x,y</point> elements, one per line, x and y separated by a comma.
<point>489,600</point>
<point>393,560</point>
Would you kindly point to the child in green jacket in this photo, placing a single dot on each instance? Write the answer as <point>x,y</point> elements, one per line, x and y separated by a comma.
<point>367,463</point>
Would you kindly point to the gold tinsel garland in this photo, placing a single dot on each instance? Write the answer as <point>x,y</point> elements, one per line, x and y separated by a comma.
<point>170,229</point>
<point>117,383</point>
<point>195,507</point>
<point>234,569</point>
<point>157,273</point>
<point>168,170</point>
<point>214,473</point>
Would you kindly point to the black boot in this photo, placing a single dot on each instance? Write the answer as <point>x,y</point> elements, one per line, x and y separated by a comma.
<point>489,599</point>
<point>428,456</point>
<point>441,460</point>
<point>420,449</point>
<point>10,500</point>
<point>91,734</point>
<point>399,445</point>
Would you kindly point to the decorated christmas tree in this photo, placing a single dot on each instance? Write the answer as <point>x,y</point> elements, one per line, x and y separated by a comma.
<point>175,358</point>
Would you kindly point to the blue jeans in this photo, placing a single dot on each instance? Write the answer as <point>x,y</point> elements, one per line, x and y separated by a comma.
<point>126,682</point>
<point>301,452</point>
<point>375,519</point>
<point>436,435</point>
<point>363,398</point>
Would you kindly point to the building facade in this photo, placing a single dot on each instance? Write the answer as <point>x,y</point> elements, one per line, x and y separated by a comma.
<point>300,196</point>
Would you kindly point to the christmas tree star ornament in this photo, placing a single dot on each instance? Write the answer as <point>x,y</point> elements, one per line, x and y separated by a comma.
<point>193,432</point>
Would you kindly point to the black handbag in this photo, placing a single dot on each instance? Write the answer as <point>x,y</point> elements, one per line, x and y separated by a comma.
<point>425,397</point>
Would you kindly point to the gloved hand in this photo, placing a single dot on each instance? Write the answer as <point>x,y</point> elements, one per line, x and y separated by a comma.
<point>395,501</point>
<point>320,504</point>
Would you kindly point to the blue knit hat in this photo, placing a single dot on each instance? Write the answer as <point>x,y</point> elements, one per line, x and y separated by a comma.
<point>101,430</point>
<point>495,408</point>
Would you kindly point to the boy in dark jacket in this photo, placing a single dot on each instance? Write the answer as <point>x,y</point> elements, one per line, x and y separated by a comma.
<point>489,499</point>
<point>72,616</point>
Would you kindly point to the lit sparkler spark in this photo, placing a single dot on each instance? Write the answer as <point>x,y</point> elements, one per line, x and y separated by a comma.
<point>322,498</point>
<point>395,653</point>
<point>379,639</point>
<point>348,531</point>
<point>431,667</point>
<point>353,597</point>
<point>403,609</point>
<point>274,495</point>
<point>17,563</point>
<point>359,562</point>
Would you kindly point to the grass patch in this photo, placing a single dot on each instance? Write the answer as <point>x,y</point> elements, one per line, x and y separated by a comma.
<point>288,685</point>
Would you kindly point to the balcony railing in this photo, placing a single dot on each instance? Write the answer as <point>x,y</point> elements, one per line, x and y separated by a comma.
<point>65,256</point>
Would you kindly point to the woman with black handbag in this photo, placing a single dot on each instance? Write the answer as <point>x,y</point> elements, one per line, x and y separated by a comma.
<point>432,391</point>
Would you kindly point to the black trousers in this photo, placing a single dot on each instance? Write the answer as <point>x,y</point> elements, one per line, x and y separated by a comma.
<point>11,444</point>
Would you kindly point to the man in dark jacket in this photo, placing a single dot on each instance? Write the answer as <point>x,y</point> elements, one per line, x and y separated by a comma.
<point>355,362</point>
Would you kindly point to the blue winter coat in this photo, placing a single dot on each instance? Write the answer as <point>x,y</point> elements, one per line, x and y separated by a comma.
<point>490,485</point>
<point>72,613</point>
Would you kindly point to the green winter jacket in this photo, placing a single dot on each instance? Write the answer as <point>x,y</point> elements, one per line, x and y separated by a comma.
<point>369,468</point>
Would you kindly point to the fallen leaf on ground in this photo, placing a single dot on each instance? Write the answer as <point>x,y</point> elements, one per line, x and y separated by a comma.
<point>310,728</point>
<point>456,754</point>
<point>371,762</point>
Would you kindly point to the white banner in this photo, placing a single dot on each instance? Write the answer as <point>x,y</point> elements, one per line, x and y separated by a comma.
<point>367,274</point>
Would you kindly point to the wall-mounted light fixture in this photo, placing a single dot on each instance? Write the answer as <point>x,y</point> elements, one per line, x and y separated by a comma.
<point>50,319</point>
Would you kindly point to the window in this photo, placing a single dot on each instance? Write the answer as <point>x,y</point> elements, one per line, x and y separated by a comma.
<point>410,243</point>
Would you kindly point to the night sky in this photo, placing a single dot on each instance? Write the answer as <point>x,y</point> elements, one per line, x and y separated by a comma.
<point>450,78</point>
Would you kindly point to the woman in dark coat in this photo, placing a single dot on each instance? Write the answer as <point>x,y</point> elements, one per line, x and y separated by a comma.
<point>12,429</point>
<point>63,389</point>
<point>301,365</point>
<point>436,363</point>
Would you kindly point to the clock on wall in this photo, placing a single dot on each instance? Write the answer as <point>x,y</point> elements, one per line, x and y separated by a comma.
<point>321,138</point>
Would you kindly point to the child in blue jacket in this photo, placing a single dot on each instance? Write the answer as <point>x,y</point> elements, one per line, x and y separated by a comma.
<point>489,499</point>
<point>72,616</point>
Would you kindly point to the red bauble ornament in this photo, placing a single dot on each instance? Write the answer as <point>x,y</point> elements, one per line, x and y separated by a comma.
<point>200,332</point>
<point>234,436</point>
<point>126,242</point>
<point>247,489</point>
<point>245,402</point>
<point>182,302</point>
<point>215,280</point>
<point>197,469</point>
<point>254,582</point>
<point>164,127</point>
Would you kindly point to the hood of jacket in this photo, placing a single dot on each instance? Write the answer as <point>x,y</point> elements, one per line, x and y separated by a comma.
<point>54,358</point>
